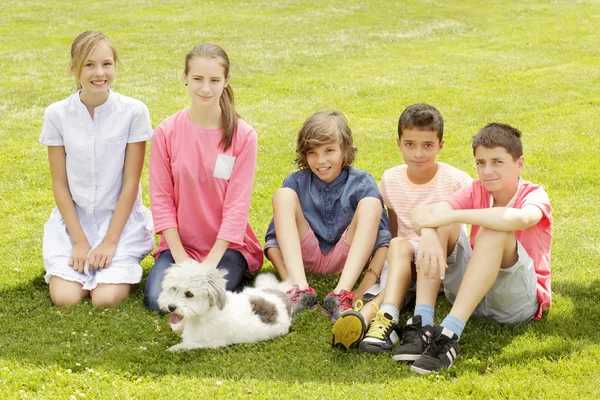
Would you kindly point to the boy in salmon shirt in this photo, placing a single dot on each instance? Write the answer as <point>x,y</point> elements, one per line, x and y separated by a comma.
<point>508,276</point>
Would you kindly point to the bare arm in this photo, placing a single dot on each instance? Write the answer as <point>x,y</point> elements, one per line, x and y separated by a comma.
<point>64,201</point>
<point>504,219</point>
<point>102,255</point>
<point>173,240</point>
<point>216,252</point>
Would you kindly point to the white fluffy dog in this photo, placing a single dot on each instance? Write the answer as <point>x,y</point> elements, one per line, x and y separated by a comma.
<point>208,316</point>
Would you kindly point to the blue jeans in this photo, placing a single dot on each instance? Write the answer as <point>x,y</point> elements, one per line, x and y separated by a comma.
<point>233,261</point>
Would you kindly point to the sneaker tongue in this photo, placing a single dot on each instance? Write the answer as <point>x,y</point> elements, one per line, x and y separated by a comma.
<point>175,318</point>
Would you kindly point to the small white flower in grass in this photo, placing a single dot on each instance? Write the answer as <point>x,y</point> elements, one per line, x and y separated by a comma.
<point>143,348</point>
<point>73,333</point>
<point>69,370</point>
<point>218,383</point>
<point>77,364</point>
<point>90,370</point>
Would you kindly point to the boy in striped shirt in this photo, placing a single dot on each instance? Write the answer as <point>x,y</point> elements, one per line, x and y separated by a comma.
<point>420,180</point>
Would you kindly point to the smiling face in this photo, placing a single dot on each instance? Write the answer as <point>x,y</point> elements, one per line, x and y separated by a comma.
<point>498,171</point>
<point>326,160</point>
<point>97,71</point>
<point>419,150</point>
<point>205,81</point>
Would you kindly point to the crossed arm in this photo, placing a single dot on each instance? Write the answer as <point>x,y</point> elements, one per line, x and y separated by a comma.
<point>427,218</point>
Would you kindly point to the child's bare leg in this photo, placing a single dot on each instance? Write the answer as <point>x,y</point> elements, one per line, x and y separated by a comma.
<point>400,256</point>
<point>66,293</point>
<point>290,227</point>
<point>428,287</point>
<point>108,294</point>
<point>493,250</point>
<point>372,276</point>
<point>361,235</point>
<point>367,311</point>
<point>276,259</point>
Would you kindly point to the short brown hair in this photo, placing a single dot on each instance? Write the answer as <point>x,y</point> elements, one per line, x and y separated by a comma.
<point>324,127</point>
<point>421,116</point>
<point>499,135</point>
<point>81,48</point>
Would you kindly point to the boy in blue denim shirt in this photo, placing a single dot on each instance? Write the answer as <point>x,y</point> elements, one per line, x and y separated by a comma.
<point>327,218</point>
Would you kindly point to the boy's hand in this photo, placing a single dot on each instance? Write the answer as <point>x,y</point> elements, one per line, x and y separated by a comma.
<point>79,256</point>
<point>431,220</point>
<point>102,255</point>
<point>431,258</point>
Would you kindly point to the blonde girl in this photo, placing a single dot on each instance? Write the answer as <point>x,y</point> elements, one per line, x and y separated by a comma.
<point>99,230</point>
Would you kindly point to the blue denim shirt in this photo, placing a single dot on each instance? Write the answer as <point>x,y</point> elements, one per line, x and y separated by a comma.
<point>329,208</point>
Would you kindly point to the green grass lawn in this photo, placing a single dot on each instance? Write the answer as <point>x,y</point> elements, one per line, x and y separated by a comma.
<point>533,64</point>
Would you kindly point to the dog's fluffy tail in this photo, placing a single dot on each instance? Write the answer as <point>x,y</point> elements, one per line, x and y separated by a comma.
<point>269,281</point>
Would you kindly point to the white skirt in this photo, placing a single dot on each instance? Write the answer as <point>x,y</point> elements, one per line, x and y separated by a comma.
<point>136,242</point>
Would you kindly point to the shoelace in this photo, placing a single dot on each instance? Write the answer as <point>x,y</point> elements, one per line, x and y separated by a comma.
<point>410,333</point>
<point>380,324</point>
<point>345,300</point>
<point>358,305</point>
<point>438,346</point>
<point>295,293</point>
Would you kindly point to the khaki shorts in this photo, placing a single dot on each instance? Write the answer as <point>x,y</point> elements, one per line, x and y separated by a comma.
<point>513,297</point>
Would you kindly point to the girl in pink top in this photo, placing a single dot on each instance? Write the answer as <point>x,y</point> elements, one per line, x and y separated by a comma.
<point>202,164</point>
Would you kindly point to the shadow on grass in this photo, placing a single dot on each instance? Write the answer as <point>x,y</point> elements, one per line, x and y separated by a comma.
<point>132,341</point>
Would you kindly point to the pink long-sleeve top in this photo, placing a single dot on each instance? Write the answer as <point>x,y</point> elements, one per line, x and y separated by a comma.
<point>201,190</point>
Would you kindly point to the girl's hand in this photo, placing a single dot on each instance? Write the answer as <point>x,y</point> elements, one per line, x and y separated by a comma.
<point>79,256</point>
<point>102,255</point>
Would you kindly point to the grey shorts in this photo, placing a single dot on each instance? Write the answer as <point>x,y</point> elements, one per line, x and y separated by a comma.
<point>460,257</point>
<point>513,297</point>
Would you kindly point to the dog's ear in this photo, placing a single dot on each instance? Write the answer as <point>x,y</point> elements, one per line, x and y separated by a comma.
<point>215,285</point>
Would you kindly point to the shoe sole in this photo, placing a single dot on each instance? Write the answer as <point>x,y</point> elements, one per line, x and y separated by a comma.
<point>372,348</point>
<point>348,331</point>
<point>422,371</point>
<point>405,357</point>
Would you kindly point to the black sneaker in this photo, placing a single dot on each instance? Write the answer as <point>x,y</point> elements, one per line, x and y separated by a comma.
<point>383,334</point>
<point>440,354</point>
<point>415,340</point>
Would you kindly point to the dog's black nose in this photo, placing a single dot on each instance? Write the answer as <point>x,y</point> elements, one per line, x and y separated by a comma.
<point>172,307</point>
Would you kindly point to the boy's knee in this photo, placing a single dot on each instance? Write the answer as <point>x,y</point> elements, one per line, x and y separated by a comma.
<point>486,235</point>
<point>402,246</point>
<point>370,206</point>
<point>284,195</point>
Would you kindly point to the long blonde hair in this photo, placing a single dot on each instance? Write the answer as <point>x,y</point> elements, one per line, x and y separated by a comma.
<point>229,117</point>
<point>81,48</point>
